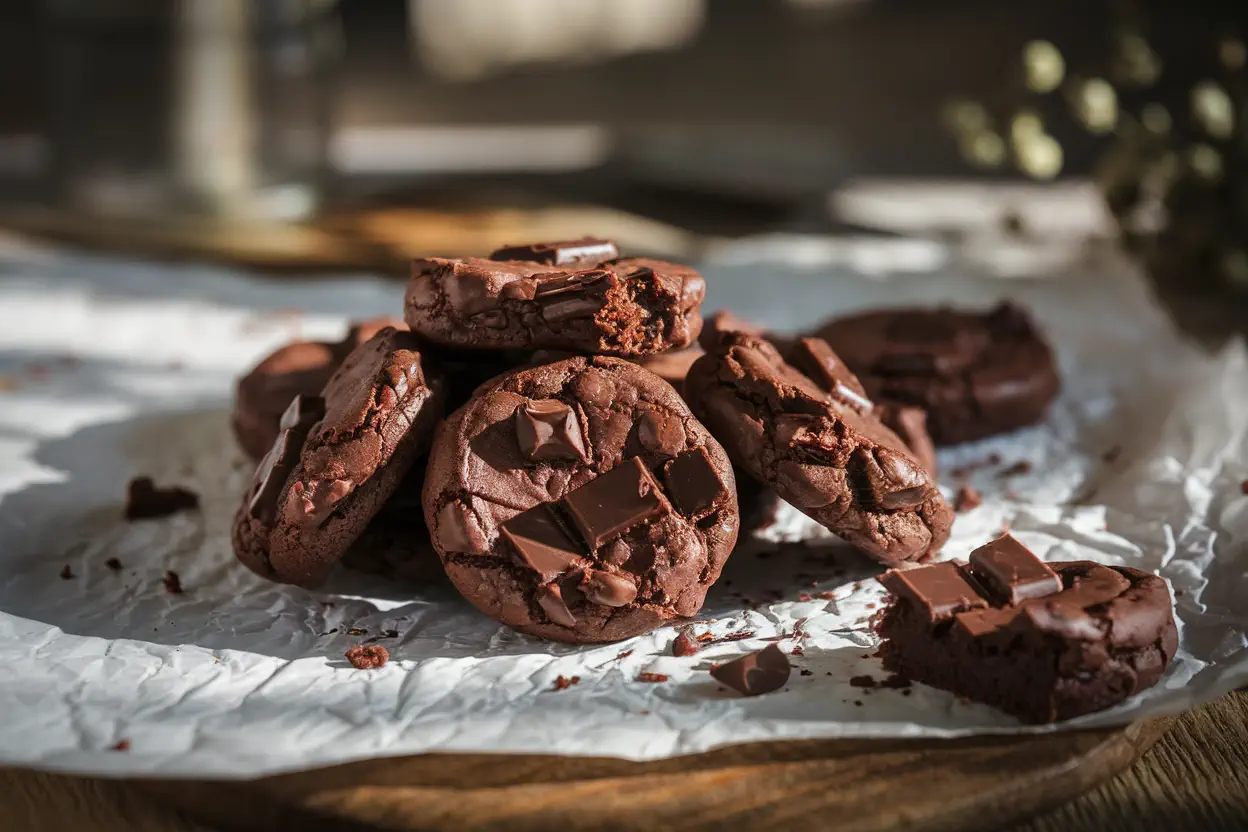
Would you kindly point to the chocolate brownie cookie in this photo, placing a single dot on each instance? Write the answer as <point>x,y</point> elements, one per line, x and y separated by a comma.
<point>1043,642</point>
<point>338,459</point>
<point>300,368</point>
<point>814,358</point>
<point>580,501</point>
<point>580,296</point>
<point>975,373</point>
<point>396,544</point>
<point>836,464</point>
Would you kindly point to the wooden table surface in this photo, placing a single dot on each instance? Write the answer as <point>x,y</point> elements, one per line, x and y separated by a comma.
<point>1194,778</point>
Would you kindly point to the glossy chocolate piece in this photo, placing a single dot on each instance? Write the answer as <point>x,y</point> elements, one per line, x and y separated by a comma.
<point>754,674</point>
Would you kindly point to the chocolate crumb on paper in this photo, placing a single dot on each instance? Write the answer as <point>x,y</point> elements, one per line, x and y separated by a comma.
<point>173,583</point>
<point>564,682</point>
<point>1023,466</point>
<point>368,656</point>
<point>113,564</point>
<point>66,572</point>
<point>122,745</point>
<point>145,501</point>
<point>685,644</point>
<point>966,499</point>
<point>652,677</point>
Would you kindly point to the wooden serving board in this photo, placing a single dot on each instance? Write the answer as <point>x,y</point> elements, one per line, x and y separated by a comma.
<point>967,784</point>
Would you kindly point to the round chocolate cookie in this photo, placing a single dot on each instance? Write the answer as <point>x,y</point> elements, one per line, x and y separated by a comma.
<point>580,501</point>
<point>337,459</point>
<point>300,368</point>
<point>839,466</point>
<point>975,373</point>
<point>580,296</point>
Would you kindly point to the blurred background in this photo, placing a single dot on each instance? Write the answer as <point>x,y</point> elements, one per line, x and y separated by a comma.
<point>312,133</point>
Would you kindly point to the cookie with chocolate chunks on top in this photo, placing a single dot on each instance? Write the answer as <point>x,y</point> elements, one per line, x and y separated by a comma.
<point>580,501</point>
<point>834,462</point>
<point>299,368</point>
<point>1041,641</point>
<point>578,295</point>
<point>337,459</point>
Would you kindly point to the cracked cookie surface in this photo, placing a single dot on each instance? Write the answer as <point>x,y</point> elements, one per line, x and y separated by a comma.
<point>839,466</point>
<point>580,501</point>
<point>578,296</point>
<point>337,459</point>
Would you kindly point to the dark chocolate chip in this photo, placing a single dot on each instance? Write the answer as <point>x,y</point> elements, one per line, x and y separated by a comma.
<point>318,499</point>
<point>540,542</point>
<point>1012,572</point>
<point>272,472</point>
<point>607,589</point>
<point>559,253</point>
<point>548,429</point>
<point>938,591</point>
<point>818,362</point>
<point>756,673</point>
<point>611,504</point>
<point>550,599</point>
<point>693,483</point>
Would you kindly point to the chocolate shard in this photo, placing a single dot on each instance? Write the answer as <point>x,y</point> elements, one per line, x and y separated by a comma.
<point>824,367</point>
<point>693,483</point>
<point>541,544</point>
<point>550,599</point>
<point>611,504</point>
<point>301,415</point>
<point>938,592</point>
<point>607,589</point>
<point>1011,572</point>
<point>558,253</point>
<point>548,429</point>
<point>756,673</point>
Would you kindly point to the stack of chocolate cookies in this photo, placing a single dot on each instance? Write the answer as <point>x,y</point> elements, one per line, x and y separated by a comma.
<point>546,429</point>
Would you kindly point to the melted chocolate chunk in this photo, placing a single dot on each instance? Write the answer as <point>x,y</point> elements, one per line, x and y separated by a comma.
<point>145,501</point>
<point>693,483</point>
<point>548,429</point>
<point>542,545</point>
<point>550,599</point>
<point>1011,572</point>
<point>756,673</point>
<point>557,254</point>
<point>611,504</point>
<point>607,589</point>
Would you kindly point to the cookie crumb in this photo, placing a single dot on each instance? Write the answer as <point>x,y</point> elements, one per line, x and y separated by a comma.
<point>805,671</point>
<point>797,651</point>
<point>565,682</point>
<point>173,583</point>
<point>685,644</point>
<point>966,499</point>
<point>827,596</point>
<point>1111,456</point>
<point>1243,486</point>
<point>66,572</point>
<point>113,564</point>
<point>368,656</point>
<point>907,691</point>
<point>896,681</point>
<point>652,677</point>
<point>858,702</point>
<point>864,681</point>
<point>1023,466</point>
<point>145,501</point>
<point>805,596</point>
<point>122,745</point>
<point>357,631</point>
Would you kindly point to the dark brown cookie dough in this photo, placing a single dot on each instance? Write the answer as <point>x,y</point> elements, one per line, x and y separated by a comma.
<point>337,459</point>
<point>580,296</point>
<point>300,368</point>
<point>396,543</point>
<point>580,501</point>
<point>975,373</point>
<point>1044,642</point>
<point>836,464</point>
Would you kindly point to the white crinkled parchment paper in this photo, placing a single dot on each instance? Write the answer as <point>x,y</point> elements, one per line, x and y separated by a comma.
<point>110,369</point>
